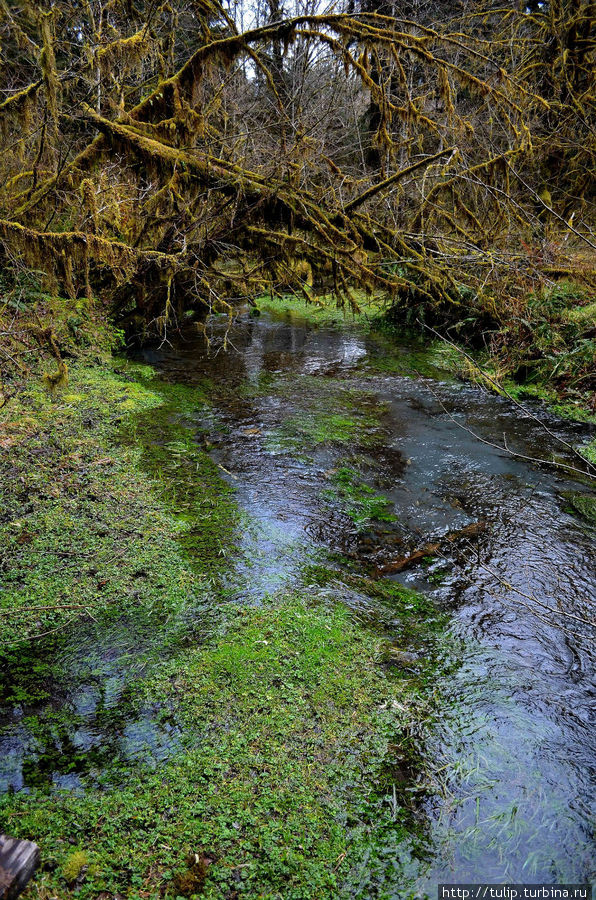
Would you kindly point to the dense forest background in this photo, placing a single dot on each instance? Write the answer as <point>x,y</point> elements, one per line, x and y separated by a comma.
<point>174,156</point>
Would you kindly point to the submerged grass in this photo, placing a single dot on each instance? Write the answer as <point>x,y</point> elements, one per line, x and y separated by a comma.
<point>326,412</point>
<point>282,793</point>
<point>256,758</point>
<point>359,501</point>
<point>312,427</point>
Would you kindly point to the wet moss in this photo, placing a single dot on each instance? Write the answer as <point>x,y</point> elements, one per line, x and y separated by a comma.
<point>101,483</point>
<point>319,422</point>
<point>184,476</point>
<point>357,500</point>
<point>114,527</point>
<point>287,791</point>
<point>583,505</point>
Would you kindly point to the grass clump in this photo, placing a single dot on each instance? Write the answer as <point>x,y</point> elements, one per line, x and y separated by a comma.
<point>588,451</point>
<point>549,344</point>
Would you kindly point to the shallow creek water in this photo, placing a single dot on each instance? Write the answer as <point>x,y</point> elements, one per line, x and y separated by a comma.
<point>515,743</point>
<point>517,735</point>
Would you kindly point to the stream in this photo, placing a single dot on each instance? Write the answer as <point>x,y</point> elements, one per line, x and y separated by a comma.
<point>309,424</point>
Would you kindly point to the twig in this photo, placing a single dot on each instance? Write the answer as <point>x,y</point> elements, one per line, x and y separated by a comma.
<point>536,196</point>
<point>34,609</point>
<point>533,599</point>
<point>34,637</point>
<point>519,406</point>
<point>533,459</point>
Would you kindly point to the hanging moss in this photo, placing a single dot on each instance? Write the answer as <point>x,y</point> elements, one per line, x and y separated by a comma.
<point>47,62</point>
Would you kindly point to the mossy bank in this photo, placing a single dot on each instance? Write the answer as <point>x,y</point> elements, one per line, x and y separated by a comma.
<point>167,740</point>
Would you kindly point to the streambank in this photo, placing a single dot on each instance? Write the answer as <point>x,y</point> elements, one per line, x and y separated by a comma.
<point>169,726</point>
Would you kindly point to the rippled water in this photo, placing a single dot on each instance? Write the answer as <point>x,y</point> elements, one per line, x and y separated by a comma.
<point>514,748</point>
<point>516,742</point>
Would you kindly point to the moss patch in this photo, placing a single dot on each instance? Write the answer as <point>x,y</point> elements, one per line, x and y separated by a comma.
<point>323,311</point>
<point>100,484</point>
<point>583,505</point>
<point>284,795</point>
<point>359,501</point>
<point>315,419</point>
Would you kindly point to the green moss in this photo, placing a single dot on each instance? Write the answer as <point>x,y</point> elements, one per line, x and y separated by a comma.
<point>95,509</point>
<point>324,311</point>
<point>74,865</point>
<point>589,451</point>
<point>283,727</point>
<point>284,792</point>
<point>583,505</point>
<point>359,501</point>
<point>319,423</point>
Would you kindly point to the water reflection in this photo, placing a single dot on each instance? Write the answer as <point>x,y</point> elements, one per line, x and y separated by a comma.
<point>515,747</point>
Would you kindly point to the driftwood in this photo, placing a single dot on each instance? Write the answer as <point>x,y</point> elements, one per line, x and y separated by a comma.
<point>18,861</point>
<point>405,562</point>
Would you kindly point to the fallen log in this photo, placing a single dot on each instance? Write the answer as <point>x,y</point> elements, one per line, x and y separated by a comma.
<point>18,861</point>
<point>405,562</point>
